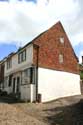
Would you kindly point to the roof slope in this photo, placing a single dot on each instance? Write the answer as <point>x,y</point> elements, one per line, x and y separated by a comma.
<point>40,35</point>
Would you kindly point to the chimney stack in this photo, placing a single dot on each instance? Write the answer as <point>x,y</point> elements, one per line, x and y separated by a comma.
<point>82,59</point>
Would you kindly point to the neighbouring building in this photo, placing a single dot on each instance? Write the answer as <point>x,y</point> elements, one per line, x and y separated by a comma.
<point>81,69</point>
<point>81,75</point>
<point>45,69</point>
<point>2,74</point>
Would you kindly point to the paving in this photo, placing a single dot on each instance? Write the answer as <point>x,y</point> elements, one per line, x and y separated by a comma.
<point>65,111</point>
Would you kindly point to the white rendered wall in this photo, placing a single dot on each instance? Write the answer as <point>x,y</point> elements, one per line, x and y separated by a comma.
<point>25,92</point>
<point>17,67</point>
<point>33,93</point>
<point>54,84</point>
<point>28,92</point>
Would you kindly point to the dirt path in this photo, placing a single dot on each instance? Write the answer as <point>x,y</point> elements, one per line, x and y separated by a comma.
<point>11,115</point>
<point>66,111</point>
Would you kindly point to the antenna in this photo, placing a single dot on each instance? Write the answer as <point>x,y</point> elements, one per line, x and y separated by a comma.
<point>20,44</point>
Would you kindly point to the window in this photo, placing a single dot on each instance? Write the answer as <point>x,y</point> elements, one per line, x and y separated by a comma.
<point>9,63</point>
<point>62,40</point>
<point>60,58</point>
<point>6,82</point>
<point>22,56</point>
<point>10,80</point>
<point>29,76</point>
<point>27,72</point>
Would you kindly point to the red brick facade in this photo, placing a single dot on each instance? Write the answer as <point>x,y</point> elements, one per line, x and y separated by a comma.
<point>50,47</point>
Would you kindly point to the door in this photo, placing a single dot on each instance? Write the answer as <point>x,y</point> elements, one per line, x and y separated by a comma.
<point>18,85</point>
<point>14,84</point>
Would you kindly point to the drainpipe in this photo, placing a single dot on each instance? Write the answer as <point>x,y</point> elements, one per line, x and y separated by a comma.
<point>36,71</point>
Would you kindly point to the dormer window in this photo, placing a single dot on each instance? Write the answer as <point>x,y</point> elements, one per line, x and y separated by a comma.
<point>62,40</point>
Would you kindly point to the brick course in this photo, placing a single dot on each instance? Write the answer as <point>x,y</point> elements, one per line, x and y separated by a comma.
<point>50,48</point>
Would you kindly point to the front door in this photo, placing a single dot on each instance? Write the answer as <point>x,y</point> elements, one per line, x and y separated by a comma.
<point>18,85</point>
<point>14,84</point>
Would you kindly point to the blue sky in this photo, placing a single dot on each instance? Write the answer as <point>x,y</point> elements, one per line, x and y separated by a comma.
<point>23,20</point>
<point>6,49</point>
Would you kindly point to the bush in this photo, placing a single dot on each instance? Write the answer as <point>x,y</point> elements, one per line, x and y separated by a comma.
<point>81,75</point>
<point>4,93</point>
<point>0,91</point>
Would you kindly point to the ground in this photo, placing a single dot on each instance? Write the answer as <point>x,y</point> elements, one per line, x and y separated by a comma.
<point>66,111</point>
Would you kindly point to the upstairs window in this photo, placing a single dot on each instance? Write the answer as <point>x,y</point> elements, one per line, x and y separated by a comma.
<point>61,58</point>
<point>9,63</point>
<point>62,40</point>
<point>22,56</point>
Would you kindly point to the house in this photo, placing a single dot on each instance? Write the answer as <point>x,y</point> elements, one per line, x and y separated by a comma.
<point>2,74</point>
<point>45,69</point>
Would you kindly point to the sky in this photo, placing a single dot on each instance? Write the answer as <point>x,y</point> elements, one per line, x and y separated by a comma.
<point>23,20</point>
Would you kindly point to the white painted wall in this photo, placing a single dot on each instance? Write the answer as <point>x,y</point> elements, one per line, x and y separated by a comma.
<point>25,92</point>
<point>17,67</point>
<point>28,92</point>
<point>33,93</point>
<point>54,84</point>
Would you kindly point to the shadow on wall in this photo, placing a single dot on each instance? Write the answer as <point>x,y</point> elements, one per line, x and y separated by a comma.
<point>70,115</point>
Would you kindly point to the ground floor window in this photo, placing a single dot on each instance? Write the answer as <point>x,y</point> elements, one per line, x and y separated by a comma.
<point>6,82</point>
<point>29,75</point>
<point>10,80</point>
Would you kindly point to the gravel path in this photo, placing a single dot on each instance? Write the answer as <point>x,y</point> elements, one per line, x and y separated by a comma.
<point>66,111</point>
<point>11,115</point>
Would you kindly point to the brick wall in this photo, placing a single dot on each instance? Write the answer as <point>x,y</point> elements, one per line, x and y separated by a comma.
<point>50,48</point>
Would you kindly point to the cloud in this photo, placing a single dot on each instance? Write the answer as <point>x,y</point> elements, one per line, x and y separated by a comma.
<point>22,21</point>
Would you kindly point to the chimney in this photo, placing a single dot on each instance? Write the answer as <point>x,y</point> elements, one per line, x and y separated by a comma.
<point>82,59</point>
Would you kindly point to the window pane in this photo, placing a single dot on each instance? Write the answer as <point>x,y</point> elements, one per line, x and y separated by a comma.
<point>60,58</point>
<point>22,56</point>
<point>62,40</point>
<point>27,75</point>
<point>9,63</point>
